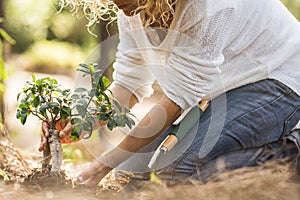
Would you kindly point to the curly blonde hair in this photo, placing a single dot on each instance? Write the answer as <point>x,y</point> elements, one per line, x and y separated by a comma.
<point>157,13</point>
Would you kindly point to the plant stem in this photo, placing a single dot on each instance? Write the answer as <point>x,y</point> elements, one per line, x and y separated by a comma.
<point>55,149</point>
<point>35,113</point>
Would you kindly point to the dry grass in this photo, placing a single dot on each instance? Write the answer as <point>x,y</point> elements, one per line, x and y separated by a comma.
<point>272,181</point>
<point>275,182</point>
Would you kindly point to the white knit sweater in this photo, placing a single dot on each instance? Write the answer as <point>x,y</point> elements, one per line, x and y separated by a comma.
<point>214,46</point>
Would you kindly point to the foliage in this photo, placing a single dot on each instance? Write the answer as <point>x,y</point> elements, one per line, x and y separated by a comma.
<point>44,99</point>
<point>72,154</point>
<point>52,57</point>
<point>5,36</point>
<point>27,21</point>
<point>42,20</point>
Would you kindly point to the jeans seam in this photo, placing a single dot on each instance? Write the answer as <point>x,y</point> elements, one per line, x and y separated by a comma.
<point>261,107</point>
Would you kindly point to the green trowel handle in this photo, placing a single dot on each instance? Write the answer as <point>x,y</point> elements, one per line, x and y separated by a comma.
<point>184,126</point>
<point>187,122</point>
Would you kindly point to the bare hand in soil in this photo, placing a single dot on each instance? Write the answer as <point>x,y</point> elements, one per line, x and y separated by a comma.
<point>65,128</point>
<point>93,175</point>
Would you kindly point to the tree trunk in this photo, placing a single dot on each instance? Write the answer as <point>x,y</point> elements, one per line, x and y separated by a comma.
<point>56,150</point>
<point>53,150</point>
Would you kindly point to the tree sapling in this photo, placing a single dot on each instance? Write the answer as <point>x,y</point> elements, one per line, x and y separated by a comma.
<point>45,99</point>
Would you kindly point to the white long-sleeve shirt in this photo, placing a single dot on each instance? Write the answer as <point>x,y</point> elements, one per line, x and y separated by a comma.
<point>212,46</point>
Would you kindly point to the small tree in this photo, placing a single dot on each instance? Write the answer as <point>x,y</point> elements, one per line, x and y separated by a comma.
<point>45,99</point>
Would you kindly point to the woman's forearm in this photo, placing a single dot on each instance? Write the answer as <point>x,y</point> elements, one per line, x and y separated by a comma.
<point>150,127</point>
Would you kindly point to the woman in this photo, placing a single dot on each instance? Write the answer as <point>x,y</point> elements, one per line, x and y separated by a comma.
<point>243,56</point>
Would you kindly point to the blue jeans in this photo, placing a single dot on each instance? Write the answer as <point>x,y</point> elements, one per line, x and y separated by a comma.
<point>243,127</point>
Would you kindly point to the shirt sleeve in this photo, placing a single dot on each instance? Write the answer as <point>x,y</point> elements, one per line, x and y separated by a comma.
<point>193,66</point>
<point>130,70</point>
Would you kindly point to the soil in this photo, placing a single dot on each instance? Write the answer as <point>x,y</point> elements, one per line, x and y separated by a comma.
<point>272,181</point>
<point>48,179</point>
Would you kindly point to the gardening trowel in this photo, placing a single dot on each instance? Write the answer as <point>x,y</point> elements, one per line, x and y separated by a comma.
<point>180,130</point>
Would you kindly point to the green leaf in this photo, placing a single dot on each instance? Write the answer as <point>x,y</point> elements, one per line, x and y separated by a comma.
<point>83,102</point>
<point>5,35</point>
<point>117,104</point>
<point>22,117</point>
<point>105,96</point>
<point>36,101</point>
<point>52,104</point>
<point>75,121</point>
<point>92,67</point>
<point>111,124</point>
<point>97,77</point>
<point>18,114</point>
<point>66,92</point>
<point>53,81</point>
<point>75,96</point>
<point>80,90</point>
<point>103,117</point>
<point>87,128</point>
<point>105,81</point>
<point>129,122</point>
<point>75,134</point>
<point>119,120</point>
<point>85,72</point>
<point>127,110</point>
<point>81,110</point>
<point>24,110</point>
<point>23,105</point>
<point>18,96</point>
<point>83,65</point>
<point>93,92</point>
<point>56,110</point>
<point>33,77</point>
<point>65,112</point>
<point>90,119</point>
<point>42,110</point>
<point>58,99</point>
<point>103,108</point>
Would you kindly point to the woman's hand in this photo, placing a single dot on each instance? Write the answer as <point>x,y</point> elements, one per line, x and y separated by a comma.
<point>93,175</point>
<point>65,127</point>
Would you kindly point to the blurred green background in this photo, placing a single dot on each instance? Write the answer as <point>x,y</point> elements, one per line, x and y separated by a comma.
<point>48,40</point>
<point>52,41</point>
